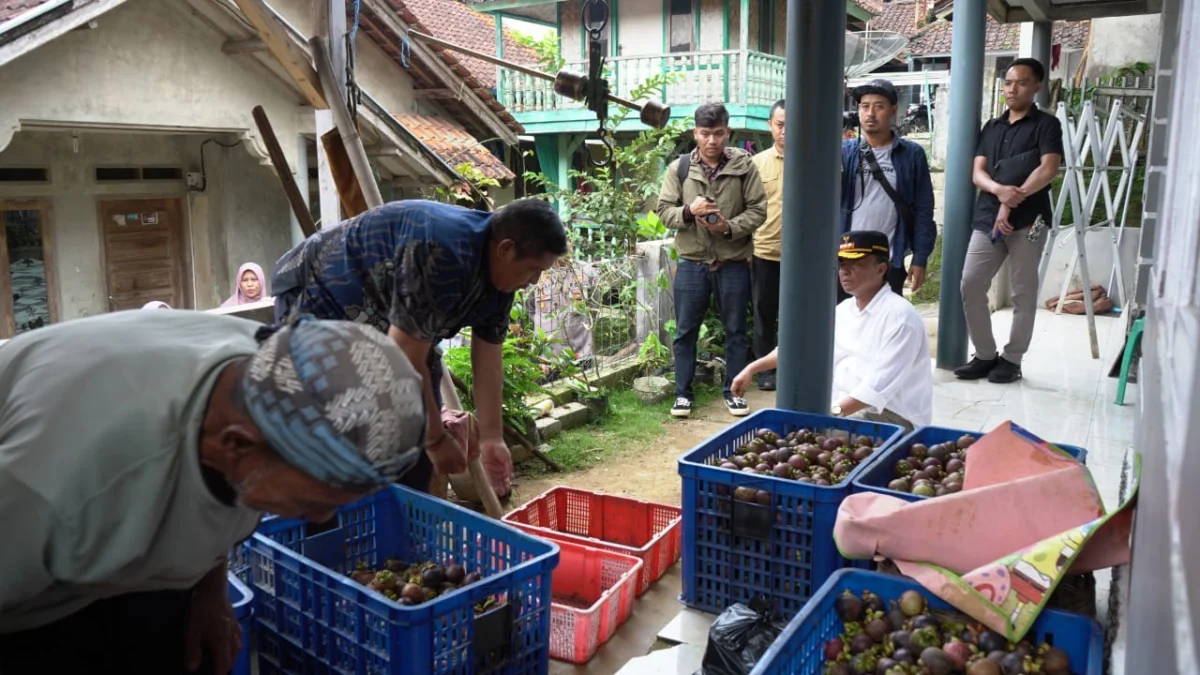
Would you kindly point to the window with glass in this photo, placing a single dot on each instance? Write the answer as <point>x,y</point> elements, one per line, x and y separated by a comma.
<point>682,22</point>
<point>26,268</point>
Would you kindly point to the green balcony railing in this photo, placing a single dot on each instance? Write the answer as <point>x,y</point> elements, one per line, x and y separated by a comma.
<point>732,76</point>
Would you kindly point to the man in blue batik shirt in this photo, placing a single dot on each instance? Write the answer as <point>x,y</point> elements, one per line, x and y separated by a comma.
<point>421,271</point>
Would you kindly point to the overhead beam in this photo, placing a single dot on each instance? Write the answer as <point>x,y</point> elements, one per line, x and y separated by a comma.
<point>1085,10</point>
<point>1038,9</point>
<point>498,5</point>
<point>54,29</point>
<point>294,58</point>
<point>243,46</point>
<point>378,152</point>
<point>434,61</point>
<point>433,93</point>
<point>999,10</point>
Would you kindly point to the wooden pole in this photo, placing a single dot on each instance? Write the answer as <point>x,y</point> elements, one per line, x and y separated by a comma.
<point>345,126</point>
<point>290,189</point>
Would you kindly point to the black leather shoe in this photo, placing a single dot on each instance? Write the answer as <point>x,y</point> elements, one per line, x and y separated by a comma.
<point>766,381</point>
<point>1005,371</point>
<point>977,369</point>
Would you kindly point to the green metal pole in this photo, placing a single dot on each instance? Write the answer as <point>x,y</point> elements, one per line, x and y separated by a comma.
<point>816,39</point>
<point>966,93</point>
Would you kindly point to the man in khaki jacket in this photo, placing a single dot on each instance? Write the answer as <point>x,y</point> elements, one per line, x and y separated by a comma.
<point>714,199</point>
<point>768,245</point>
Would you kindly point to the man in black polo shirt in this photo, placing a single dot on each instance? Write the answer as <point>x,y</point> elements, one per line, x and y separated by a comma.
<point>1018,155</point>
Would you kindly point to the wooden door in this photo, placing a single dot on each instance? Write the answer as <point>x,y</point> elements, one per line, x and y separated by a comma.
<point>28,293</point>
<point>145,257</point>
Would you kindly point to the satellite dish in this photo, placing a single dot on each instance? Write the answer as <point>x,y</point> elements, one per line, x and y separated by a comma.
<point>868,50</point>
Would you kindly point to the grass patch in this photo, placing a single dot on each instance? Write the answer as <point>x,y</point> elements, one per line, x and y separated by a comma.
<point>628,424</point>
<point>931,291</point>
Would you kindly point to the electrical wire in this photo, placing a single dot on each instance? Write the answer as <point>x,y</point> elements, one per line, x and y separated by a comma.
<point>203,172</point>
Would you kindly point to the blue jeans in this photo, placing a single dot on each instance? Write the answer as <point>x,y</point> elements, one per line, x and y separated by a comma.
<point>695,286</point>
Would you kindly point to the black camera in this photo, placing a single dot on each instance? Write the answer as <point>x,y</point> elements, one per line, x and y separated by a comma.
<point>850,119</point>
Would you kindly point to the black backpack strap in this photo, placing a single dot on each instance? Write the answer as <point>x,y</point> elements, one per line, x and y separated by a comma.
<point>906,214</point>
<point>685,165</point>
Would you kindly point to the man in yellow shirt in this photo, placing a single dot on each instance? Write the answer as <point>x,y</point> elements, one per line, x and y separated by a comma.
<point>768,241</point>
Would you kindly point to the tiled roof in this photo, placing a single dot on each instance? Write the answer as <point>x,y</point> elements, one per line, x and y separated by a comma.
<point>455,22</point>
<point>937,37</point>
<point>11,9</point>
<point>872,6</point>
<point>899,16</point>
<point>454,145</point>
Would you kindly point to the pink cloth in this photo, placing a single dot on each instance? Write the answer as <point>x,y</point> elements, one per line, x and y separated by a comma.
<point>1015,493</point>
<point>238,297</point>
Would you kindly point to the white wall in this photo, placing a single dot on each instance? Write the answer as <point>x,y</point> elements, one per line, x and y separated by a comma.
<point>640,27</point>
<point>1120,41</point>
<point>1098,245</point>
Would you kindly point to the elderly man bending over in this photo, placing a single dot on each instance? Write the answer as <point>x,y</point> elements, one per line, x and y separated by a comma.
<point>881,368</point>
<point>137,448</point>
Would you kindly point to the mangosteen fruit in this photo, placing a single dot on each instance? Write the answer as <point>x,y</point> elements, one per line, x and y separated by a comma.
<point>849,608</point>
<point>991,641</point>
<point>983,667</point>
<point>738,461</point>
<point>749,469</point>
<point>900,638</point>
<point>405,602</point>
<point>997,656</point>
<point>430,593</point>
<point>903,467</point>
<point>918,450</point>
<point>798,462</point>
<point>834,648</point>
<point>762,467</point>
<point>861,643</point>
<point>885,664</point>
<point>936,661</point>
<point>965,441</point>
<point>1024,648</point>
<point>939,452</point>
<point>387,581</point>
<point>952,487</point>
<point>825,458</point>
<point>912,603</point>
<point>939,491</point>
<point>873,602</point>
<point>863,663</point>
<point>729,465</point>
<point>843,466</point>
<point>744,494</point>
<point>763,498</point>
<point>932,463</point>
<point>920,475</point>
<point>902,655</point>
<point>837,669</point>
<point>782,470</point>
<point>394,565</point>
<point>953,465</point>
<point>924,490</point>
<point>471,578</point>
<point>900,485</point>
<point>455,574</point>
<point>861,453</point>
<point>831,444</point>
<point>925,637</point>
<point>1013,663</point>
<point>877,628</point>
<point>969,636</point>
<point>363,576</point>
<point>924,620</point>
<point>812,452</point>
<point>751,458</point>
<point>413,593</point>
<point>958,652</point>
<point>1056,662</point>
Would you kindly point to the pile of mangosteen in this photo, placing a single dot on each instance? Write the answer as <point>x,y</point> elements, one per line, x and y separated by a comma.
<point>934,470</point>
<point>911,639</point>
<point>803,455</point>
<point>414,584</point>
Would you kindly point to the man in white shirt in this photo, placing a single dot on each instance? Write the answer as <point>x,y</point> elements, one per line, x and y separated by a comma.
<point>881,368</point>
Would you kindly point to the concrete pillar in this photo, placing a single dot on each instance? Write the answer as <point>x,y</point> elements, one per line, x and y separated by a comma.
<point>966,91</point>
<point>1042,49</point>
<point>816,38</point>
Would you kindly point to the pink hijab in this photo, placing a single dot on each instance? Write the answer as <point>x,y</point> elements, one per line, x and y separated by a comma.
<point>238,297</point>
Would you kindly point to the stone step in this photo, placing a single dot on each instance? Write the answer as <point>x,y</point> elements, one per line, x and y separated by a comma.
<point>571,415</point>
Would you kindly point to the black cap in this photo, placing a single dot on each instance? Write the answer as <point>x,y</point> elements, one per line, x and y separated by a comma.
<point>882,87</point>
<point>862,242</point>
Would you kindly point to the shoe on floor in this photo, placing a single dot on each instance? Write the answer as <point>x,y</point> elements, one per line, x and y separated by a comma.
<point>737,406</point>
<point>682,408</point>
<point>977,369</point>
<point>1005,371</point>
<point>766,381</point>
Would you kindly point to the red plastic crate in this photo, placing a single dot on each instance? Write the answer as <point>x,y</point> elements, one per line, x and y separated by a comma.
<point>633,527</point>
<point>592,591</point>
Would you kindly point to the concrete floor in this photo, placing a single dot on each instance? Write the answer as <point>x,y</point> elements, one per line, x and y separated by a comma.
<point>1065,396</point>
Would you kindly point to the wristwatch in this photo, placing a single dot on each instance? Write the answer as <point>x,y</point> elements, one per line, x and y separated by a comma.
<point>836,410</point>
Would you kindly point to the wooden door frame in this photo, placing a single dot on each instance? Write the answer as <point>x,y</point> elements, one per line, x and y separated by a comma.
<point>183,230</point>
<point>8,324</point>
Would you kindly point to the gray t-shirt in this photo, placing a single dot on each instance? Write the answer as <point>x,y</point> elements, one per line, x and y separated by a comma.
<point>876,210</point>
<point>101,491</point>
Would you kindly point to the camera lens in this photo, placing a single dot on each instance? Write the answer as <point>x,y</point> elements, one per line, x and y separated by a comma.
<point>711,219</point>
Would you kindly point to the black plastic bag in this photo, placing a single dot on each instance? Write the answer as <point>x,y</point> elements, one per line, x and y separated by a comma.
<point>739,638</point>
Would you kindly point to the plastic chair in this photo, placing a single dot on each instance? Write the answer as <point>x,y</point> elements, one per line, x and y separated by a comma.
<point>1131,342</point>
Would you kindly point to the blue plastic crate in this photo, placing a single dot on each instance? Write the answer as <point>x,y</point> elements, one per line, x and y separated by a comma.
<point>311,618</point>
<point>733,551</point>
<point>799,649</point>
<point>878,470</point>
<point>242,599</point>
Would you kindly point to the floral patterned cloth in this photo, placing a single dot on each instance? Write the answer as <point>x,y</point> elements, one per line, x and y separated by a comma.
<point>419,265</point>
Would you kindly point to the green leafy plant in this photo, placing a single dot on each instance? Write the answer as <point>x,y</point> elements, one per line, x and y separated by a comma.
<point>653,355</point>
<point>462,193</point>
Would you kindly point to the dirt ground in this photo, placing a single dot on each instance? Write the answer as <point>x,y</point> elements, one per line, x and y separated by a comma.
<point>649,473</point>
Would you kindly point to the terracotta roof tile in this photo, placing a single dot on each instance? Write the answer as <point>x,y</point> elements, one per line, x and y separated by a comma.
<point>454,145</point>
<point>11,9</point>
<point>937,37</point>
<point>899,16</point>
<point>455,22</point>
<point>872,6</point>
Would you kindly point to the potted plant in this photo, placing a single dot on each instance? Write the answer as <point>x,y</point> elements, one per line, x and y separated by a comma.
<point>653,357</point>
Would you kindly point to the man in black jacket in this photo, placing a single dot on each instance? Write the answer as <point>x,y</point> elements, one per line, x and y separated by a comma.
<point>1018,155</point>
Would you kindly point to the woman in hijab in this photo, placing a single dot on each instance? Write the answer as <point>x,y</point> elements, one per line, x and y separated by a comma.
<point>249,287</point>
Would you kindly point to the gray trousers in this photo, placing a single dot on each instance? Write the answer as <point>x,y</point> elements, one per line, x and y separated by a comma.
<point>983,261</point>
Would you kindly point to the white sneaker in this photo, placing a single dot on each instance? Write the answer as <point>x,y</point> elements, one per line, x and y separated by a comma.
<point>682,408</point>
<point>737,406</point>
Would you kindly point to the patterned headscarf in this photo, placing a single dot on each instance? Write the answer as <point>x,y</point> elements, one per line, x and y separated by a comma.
<point>337,400</point>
